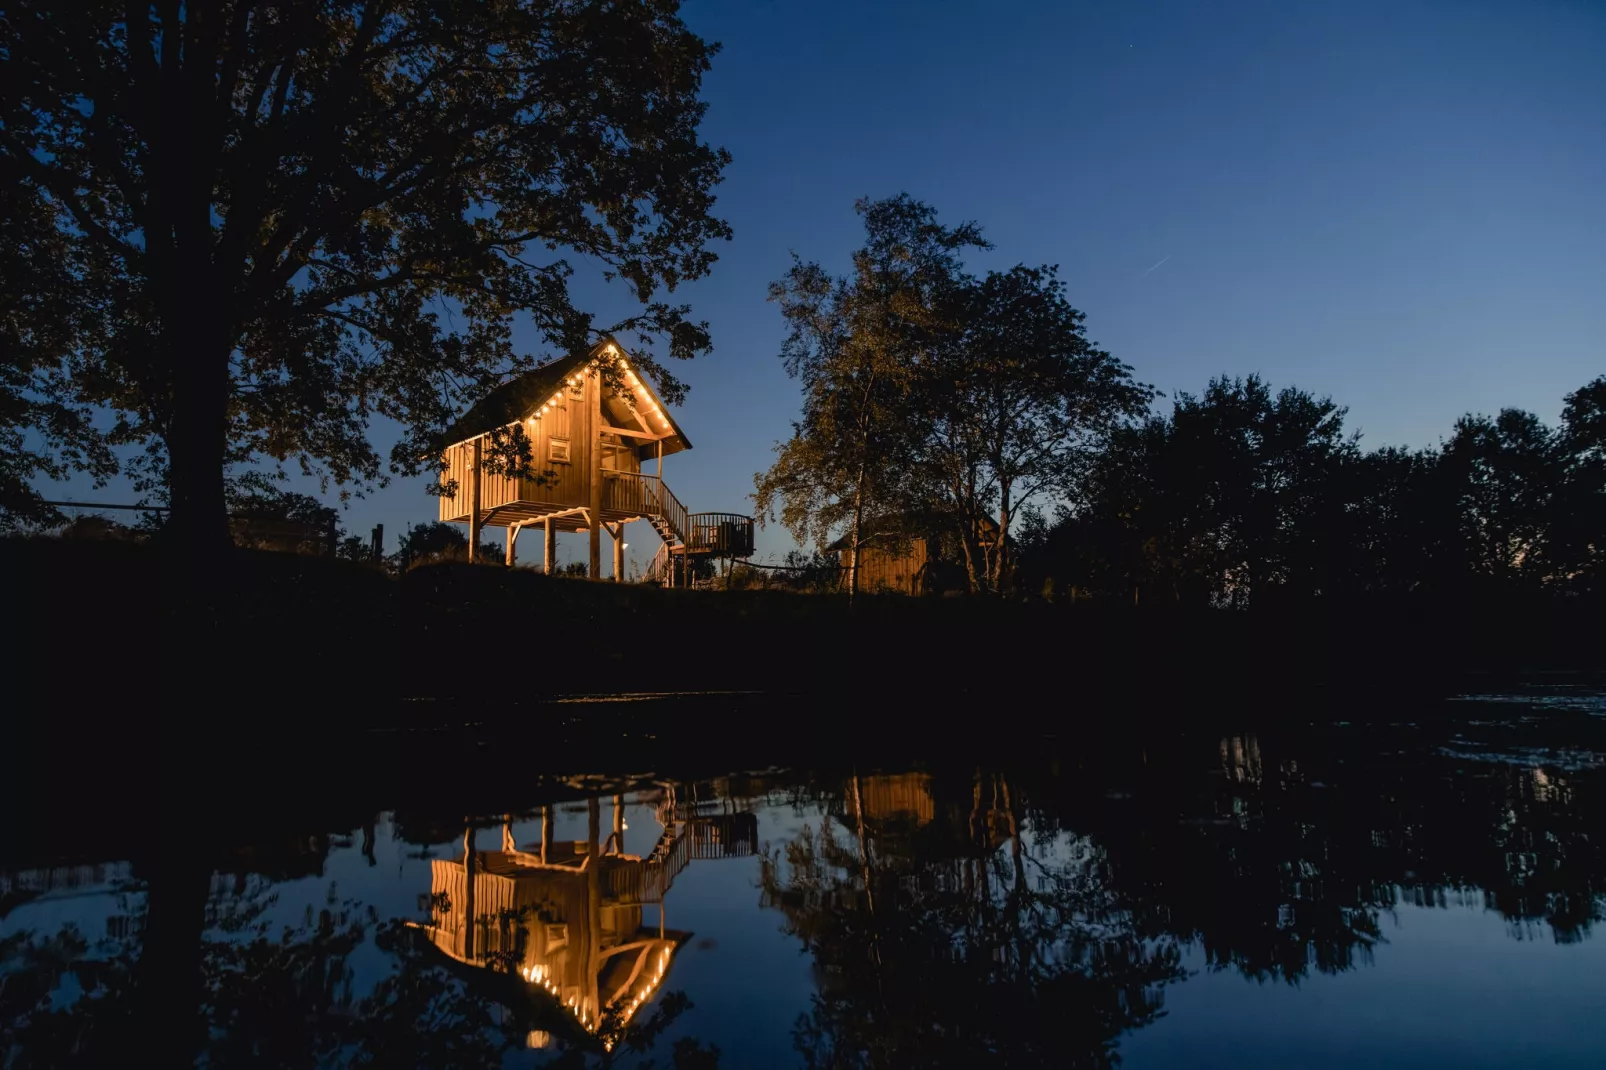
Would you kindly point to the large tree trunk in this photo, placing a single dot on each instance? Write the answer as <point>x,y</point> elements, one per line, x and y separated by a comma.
<point>198,438</point>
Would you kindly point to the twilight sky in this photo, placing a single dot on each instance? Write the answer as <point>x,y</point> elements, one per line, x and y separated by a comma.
<point>1399,204</point>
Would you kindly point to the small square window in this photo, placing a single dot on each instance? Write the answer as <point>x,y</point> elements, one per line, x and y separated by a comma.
<point>558,450</point>
<point>557,937</point>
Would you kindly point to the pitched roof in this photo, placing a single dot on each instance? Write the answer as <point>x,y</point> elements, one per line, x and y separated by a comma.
<point>520,398</point>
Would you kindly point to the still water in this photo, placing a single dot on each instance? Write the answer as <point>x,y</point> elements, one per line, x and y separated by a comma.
<point>1419,893</point>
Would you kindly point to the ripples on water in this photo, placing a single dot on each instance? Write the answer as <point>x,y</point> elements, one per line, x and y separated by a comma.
<point>1399,897</point>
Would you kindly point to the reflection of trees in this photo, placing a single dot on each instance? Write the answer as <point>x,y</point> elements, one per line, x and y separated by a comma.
<point>1034,918</point>
<point>1281,870</point>
<point>947,944</point>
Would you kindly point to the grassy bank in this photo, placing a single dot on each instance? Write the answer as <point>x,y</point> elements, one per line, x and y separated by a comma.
<point>105,627</point>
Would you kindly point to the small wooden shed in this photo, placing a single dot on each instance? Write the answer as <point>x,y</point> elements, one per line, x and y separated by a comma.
<point>908,557</point>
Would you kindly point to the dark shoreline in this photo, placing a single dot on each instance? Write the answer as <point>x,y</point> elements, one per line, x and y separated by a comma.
<point>278,650</point>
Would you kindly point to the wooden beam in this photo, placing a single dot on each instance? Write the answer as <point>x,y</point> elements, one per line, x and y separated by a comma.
<point>627,433</point>
<point>513,541</point>
<point>549,558</point>
<point>593,389</point>
<point>618,553</point>
<point>474,506</point>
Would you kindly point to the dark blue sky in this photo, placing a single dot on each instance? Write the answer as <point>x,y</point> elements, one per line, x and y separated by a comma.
<point>1402,205</point>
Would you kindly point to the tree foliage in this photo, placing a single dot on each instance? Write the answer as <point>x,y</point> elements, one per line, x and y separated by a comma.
<point>858,345</point>
<point>1242,496</point>
<point>1015,408</point>
<point>933,398</point>
<point>294,218</point>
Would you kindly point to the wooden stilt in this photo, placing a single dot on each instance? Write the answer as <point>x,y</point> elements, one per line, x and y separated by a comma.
<point>618,553</point>
<point>474,506</point>
<point>549,549</point>
<point>470,872</point>
<point>594,445</point>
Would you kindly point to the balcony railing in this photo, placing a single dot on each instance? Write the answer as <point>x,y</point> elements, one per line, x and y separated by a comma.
<point>644,495</point>
<point>639,494</point>
<point>721,534</point>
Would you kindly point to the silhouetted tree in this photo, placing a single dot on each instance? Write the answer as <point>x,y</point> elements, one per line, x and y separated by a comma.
<point>439,541</point>
<point>858,345</point>
<point>291,218</point>
<point>1226,496</point>
<point>1578,539</point>
<point>1506,473</point>
<point>1015,405</point>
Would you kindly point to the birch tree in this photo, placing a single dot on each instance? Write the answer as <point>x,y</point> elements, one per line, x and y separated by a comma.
<point>859,345</point>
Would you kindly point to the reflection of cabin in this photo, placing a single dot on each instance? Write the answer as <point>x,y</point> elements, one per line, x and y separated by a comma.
<point>566,918</point>
<point>905,796</point>
<point>912,561</point>
<point>595,428</point>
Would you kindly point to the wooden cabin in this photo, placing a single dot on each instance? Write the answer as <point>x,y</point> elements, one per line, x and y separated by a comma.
<point>918,560</point>
<point>599,435</point>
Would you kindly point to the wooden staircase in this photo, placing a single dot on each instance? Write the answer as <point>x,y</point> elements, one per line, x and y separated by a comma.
<point>634,494</point>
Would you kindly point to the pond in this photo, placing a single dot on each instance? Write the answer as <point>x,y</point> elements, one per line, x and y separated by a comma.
<point>1419,891</point>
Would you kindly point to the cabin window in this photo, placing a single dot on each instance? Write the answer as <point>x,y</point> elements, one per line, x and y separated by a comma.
<point>557,937</point>
<point>558,450</point>
<point>613,457</point>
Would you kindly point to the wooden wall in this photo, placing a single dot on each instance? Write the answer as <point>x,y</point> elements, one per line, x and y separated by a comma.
<point>567,483</point>
<point>901,569</point>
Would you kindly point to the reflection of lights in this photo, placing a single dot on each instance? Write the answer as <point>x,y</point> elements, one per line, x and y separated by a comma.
<point>592,1021</point>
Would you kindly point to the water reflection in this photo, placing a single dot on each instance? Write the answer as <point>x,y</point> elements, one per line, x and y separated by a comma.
<point>1043,910</point>
<point>955,941</point>
<point>566,917</point>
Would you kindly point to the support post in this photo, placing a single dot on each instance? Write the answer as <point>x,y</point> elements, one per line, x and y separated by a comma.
<point>594,445</point>
<point>546,833</point>
<point>474,506</point>
<point>618,553</point>
<point>469,874</point>
<point>513,541</point>
<point>549,550</point>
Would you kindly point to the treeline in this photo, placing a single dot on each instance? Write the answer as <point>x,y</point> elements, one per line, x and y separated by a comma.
<point>949,406</point>
<point>1244,495</point>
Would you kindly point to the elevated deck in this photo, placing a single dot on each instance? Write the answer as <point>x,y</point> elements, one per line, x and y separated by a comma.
<point>626,497</point>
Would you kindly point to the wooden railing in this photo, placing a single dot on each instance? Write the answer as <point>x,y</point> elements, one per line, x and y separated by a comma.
<point>645,495</point>
<point>649,881</point>
<point>721,534</point>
